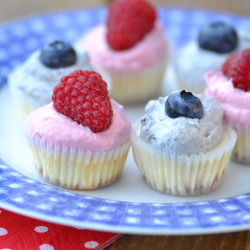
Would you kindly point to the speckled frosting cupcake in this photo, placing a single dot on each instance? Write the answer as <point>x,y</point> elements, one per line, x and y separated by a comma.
<point>136,70</point>
<point>214,44</point>
<point>232,92</point>
<point>182,147</point>
<point>32,82</point>
<point>81,140</point>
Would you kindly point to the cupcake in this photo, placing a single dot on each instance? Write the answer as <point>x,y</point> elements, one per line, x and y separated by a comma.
<point>231,88</point>
<point>214,44</point>
<point>81,140</point>
<point>32,83</point>
<point>182,147</point>
<point>132,48</point>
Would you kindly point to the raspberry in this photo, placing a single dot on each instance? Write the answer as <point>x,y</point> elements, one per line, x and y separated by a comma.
<point>237,67</point>
<point>83,96</point>
<point>128,21</point>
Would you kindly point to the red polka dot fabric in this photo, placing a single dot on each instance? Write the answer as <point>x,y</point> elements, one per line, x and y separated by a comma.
<point>18,232</point>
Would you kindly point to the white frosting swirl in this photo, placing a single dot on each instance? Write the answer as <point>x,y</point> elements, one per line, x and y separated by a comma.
<point>192,62</point>
<point>182,135</point>
<point>37,81</point>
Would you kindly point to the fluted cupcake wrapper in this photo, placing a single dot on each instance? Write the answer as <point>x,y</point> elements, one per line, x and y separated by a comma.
<point>183,175</point>
<point>194,88</point>
<point>241,151</point>
<point>189,82</point>
<point>24,103</point>
<point>137,87</point>
<point>76,169</point>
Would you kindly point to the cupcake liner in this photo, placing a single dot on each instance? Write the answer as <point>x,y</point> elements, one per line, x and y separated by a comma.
<point>241,151</point>
<point>137,87</point>
<point>183,175</point>
<point>23,103</point>
<point>194,87</point>
<point>193,83</point>
<point>76,169</point>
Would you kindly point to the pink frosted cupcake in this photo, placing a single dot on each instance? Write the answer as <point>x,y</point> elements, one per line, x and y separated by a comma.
<point>81,140</point>
<point>131,47</point>
<point>231,88</point>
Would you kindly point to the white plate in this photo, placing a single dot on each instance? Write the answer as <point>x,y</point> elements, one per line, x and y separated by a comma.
<point>128,205</point>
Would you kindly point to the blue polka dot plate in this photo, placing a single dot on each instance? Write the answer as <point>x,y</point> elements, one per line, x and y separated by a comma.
<point>128,205</point>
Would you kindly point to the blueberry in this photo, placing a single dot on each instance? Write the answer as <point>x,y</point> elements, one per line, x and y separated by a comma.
<point>58,55</point>
<point>184,104</point>
<point>218,37</point>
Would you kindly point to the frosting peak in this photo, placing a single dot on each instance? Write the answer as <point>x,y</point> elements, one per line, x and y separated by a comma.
<point>58,129</point>
<point>152,49</point>
<point>37,80</point>
<point>234,101</point>
<point>183,135</point>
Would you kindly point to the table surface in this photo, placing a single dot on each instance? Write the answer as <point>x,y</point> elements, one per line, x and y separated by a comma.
<point>228,241</point>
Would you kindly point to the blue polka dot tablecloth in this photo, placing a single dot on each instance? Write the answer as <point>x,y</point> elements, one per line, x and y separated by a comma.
<point>28,197</point>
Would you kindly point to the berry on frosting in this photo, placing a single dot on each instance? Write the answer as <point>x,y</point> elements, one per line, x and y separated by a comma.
<point>83,96</point>
<point>237,67</point>
<point>128,21</point>
<point>184,104</point>
<point>57,55</point>
<point>218,37</point>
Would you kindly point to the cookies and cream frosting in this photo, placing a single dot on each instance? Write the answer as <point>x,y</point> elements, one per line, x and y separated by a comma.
<point>192,62</point>
<point>182,135</point>
<point>37,80</point>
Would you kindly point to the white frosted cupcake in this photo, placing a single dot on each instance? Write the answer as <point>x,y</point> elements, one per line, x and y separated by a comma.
<point>81,140</point>
<point>182,147</point>
<point>32,82</point>
<point>214,43</point>
<point>136,66</point>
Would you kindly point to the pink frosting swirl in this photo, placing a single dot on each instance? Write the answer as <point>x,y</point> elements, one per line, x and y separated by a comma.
<point>56,128</point>
<point>152,49</point>
<point>235,102</point>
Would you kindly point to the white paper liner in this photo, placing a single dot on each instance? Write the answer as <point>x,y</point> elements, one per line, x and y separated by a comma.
<point>137,87</point>
<point>181,175</point>
<point>23,103</point>
<point>194,87</point>
<point>75,169</point>
<point>184,83</point>
<point>241,151</point>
